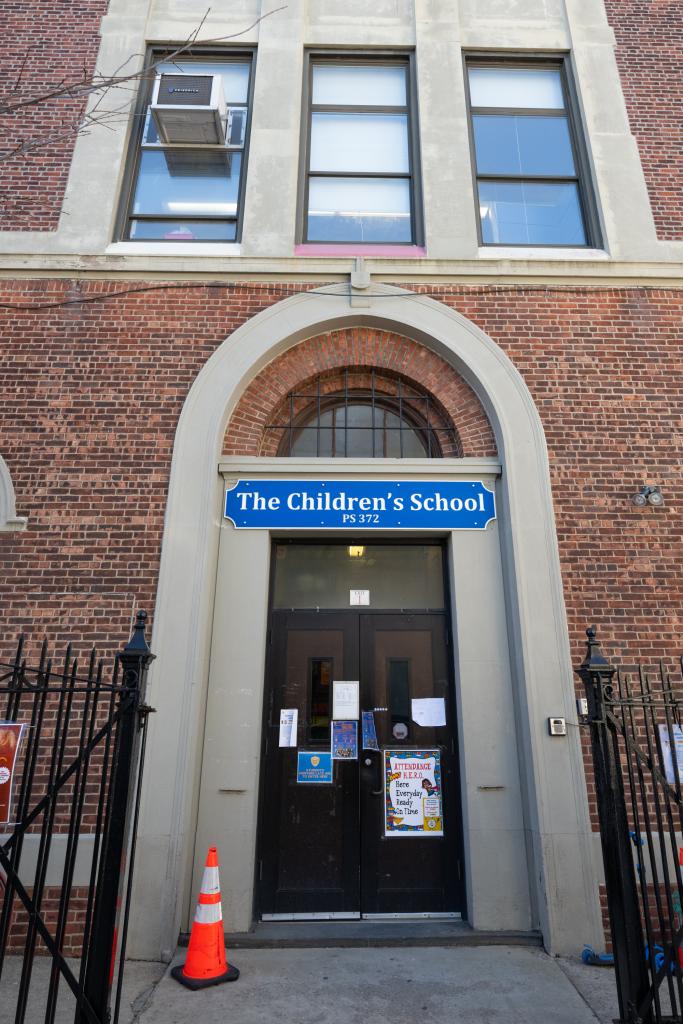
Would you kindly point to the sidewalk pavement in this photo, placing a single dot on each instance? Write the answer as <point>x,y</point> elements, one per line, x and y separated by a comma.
<point>481,985</point>
<point>404,985</point>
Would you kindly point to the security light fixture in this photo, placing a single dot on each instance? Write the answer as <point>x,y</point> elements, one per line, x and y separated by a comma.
<point>648,495</point>
<point>356,550</point>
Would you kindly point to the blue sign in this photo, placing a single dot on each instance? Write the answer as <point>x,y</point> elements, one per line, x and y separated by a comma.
<point>368,504</point>
<point>314,766</point>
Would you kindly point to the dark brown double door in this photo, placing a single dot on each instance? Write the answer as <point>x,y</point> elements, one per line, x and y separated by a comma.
<point>323,849</point>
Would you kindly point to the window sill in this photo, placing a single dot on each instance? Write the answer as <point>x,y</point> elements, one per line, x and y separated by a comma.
<point>173,249</point>
<point>539,252</point>
<point>350,249</point>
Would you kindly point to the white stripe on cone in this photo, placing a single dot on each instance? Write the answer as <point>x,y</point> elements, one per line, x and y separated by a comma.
<point>210,883</point>
<point>208,913</point>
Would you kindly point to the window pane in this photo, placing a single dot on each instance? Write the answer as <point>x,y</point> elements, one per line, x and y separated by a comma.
<point>183,231</point>
<point>354,415</point>
<point>359,142</point>
<point>149,133</point>
<point>408,438</point>
<point>359,210</point>
<point>537,214</point>
<point>320,672</point>
<point>359,435</point>
<point>398,679</point>
<point>235,76</point>
<point>365,86</point>
<point>188,182</point>
<point>305,442</point>
<point>522,145</point>
<point>321,575</point>
<point>516,87</point>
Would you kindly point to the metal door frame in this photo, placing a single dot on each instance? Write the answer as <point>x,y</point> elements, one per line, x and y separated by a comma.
<point>402,541</point>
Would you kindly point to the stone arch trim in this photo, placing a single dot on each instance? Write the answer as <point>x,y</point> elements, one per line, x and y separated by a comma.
<point>9,520</point>
<point>358,348</point>
<point>556,822</point>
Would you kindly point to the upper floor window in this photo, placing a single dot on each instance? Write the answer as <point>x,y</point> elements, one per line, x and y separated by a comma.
<point>361,156</point>
<point>191,191</point>
<point>531,172</point>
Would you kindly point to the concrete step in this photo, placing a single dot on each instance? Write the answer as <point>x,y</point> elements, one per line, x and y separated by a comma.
<point>349,934</point>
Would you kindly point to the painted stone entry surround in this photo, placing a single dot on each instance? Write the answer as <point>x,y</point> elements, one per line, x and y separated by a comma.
<point>528,848</point>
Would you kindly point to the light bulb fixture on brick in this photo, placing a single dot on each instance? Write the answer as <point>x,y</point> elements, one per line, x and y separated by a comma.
<point>648,495</point>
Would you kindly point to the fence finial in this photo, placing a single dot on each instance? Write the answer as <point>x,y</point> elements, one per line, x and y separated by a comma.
<point>137,643</point>
<point>595,661</point>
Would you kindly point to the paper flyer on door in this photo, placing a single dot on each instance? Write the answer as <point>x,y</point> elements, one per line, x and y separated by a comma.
<point>10,741</point>
<point>288,724</point>
<point>412,793</point>
<point>345,701</point>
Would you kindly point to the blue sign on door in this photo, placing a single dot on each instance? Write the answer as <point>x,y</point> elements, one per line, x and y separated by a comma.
<point>368,504</point>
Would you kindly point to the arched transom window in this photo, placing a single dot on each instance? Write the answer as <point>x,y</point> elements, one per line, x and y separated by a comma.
<point>368,416</point>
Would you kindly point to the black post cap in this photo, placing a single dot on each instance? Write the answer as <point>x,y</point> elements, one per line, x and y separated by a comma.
<point>137,645</point>
<point>595,661</point>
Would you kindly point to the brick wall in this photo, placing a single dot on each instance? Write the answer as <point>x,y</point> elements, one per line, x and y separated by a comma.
<point>395,358</point>
<point>50,904</point>
<point>94,394</point>
<point>649,45</point>
<point>42,44</point>
<point>94,391</point>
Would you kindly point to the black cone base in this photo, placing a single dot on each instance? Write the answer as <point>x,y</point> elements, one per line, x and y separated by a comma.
<point>230,974</point>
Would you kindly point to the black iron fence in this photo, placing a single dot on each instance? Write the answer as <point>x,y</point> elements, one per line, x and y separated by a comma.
<point>75,740</point>
<point>637,748</point>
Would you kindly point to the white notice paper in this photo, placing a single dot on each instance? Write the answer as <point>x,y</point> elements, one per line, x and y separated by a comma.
<point>665,740</point>
<point>288,723</point>
<point>345,700</point>
<point>428,711</point>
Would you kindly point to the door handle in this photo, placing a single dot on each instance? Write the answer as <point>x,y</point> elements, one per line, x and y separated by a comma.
<point>376,792</point>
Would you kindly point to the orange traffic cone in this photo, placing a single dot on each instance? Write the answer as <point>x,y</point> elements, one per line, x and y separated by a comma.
<point>205,963</point>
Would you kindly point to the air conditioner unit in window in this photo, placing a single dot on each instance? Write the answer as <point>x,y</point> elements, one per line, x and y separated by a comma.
<point>189,109</point>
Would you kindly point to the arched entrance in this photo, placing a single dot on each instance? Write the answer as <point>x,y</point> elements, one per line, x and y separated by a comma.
<point>524,810</point>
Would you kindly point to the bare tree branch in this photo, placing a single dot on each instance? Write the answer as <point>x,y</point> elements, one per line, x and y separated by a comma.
<point>21,72</point>
<point>88,85</point>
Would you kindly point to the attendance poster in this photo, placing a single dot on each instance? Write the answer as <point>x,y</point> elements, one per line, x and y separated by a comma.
<point>412,793</point>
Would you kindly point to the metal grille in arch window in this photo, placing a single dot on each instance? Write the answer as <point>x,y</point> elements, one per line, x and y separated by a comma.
<point>363,415</point>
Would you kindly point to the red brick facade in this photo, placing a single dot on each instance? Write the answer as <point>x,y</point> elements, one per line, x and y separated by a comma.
<point>649,45</point>
<point>89,442</point>
<point>73,929</point>
<point>95,389</point>
<point>396,358</point>
<point>44,45</point>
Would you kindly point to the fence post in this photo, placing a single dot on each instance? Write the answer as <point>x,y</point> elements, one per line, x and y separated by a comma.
<point>134,661</point>
<point>620,879</point>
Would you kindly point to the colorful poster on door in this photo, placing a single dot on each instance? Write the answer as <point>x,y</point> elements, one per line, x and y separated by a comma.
<point>369,731</point>
<point>10,740</point>
<point>344,741</point>
<point>412,793</point>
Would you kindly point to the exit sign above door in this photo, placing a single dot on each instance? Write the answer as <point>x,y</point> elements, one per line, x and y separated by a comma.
<point>368,504</point>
